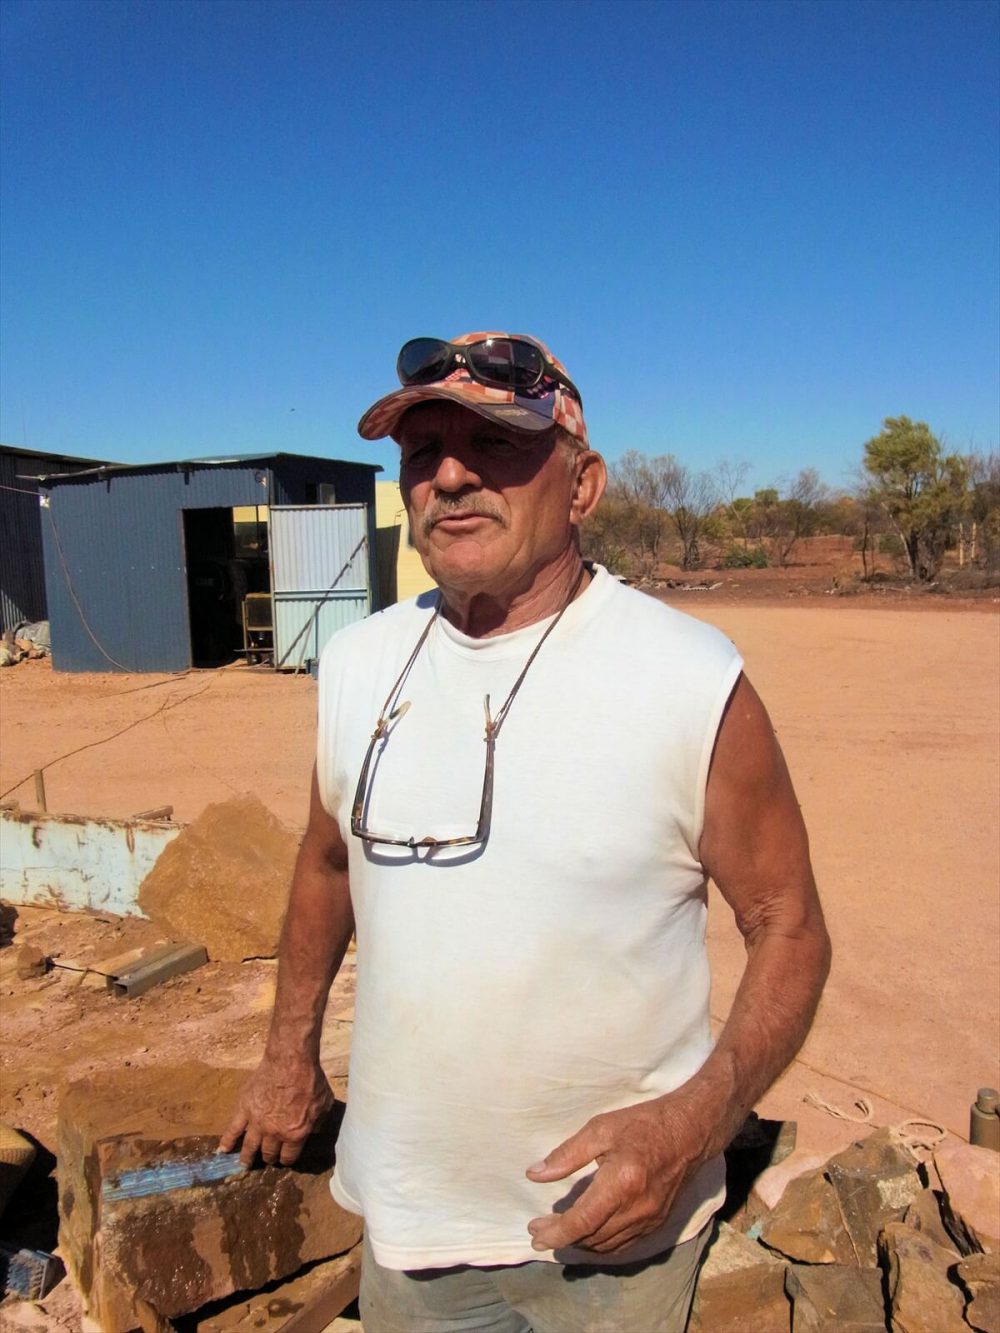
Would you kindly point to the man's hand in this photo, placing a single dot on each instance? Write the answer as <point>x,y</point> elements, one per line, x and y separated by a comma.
<point>279,1108</point>
<point>644,1155</point>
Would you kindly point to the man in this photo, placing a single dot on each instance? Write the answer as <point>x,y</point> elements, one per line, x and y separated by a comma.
<point>521,788</point>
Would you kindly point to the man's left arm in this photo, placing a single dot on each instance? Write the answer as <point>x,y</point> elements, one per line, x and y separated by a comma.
<point>754,847</point>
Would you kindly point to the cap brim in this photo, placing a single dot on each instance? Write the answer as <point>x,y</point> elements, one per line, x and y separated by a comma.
<point>382,418</point>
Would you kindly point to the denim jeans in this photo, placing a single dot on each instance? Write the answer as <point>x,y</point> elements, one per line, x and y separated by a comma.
<point>649,1297</point>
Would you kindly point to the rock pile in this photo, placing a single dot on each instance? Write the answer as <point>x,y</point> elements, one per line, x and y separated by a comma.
<point>867,1241</point>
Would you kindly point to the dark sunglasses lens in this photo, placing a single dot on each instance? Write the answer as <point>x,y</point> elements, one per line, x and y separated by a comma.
<point>507,361</point>
<point>422,361</point>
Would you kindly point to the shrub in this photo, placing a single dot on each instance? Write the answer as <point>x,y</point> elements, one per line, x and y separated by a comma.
<point>751,557</point>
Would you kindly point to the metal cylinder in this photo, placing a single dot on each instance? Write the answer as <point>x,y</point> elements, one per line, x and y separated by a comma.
<point>984,1119</point>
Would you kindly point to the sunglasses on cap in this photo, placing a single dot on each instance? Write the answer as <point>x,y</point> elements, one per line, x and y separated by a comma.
<point>502,363</point>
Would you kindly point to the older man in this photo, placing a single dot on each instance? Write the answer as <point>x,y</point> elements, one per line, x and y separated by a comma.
<point>522,786</point>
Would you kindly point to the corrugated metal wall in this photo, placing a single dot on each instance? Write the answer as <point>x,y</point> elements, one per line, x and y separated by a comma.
<point>319,576</point>
<point>22,565</point>
<point>22,573</point>
<point>115,567</point>
<point>117,544</point>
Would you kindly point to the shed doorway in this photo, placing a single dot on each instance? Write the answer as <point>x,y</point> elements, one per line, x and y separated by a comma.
<point>216,585</point>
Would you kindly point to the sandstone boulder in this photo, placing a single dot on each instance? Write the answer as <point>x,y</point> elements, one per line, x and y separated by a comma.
<point>223,882</point>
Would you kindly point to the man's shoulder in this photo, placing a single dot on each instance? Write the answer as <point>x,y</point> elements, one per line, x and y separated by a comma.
<point>640,616</point>
<point>382,629</point>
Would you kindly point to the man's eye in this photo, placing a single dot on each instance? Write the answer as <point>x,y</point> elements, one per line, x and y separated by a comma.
<point>421,456</point>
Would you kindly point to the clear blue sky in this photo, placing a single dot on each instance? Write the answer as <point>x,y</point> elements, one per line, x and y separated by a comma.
<point>750,230</point>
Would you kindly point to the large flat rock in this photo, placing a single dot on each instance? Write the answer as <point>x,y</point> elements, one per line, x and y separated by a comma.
<point>144,1233</point>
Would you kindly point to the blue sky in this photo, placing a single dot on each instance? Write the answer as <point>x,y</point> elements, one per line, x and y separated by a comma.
<point>750,230</point>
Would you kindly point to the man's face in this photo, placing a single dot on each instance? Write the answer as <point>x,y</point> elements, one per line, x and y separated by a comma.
<point>489,508</point>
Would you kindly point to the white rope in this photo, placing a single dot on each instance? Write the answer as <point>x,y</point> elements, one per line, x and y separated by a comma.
<point>914,1136</point>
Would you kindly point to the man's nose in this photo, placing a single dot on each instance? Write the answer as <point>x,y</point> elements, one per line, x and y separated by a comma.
<point>455,472</point>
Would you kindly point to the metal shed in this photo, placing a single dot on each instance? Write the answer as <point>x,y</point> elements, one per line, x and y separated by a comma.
<point>22,567</point>
<point>147,566</point>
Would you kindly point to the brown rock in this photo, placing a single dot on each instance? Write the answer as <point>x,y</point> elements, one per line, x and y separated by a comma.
<point>310,1300</point>
<point>979,1274</point>
<point>924,1215</point>
<point>807,1224</point>
<point>31,962</point>
<point>835,1298</point>
<point>224,881</point>
<point>772,1183</point>
<point>741,1288</point>
<point>970,1178</point>
<point>876,1181</point>
<point>922,1298</point>
<point>179,1245</point>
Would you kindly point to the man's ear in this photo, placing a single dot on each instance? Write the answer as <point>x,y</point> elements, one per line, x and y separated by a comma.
<point>591,479</point>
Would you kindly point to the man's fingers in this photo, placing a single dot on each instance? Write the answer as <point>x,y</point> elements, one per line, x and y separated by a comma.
<point>578,1150</point>
<point>290,1150</point>
<point>231,1137</point>
<point>270,1148</point>
<point>593,1209</point>
<point>251,1142</point>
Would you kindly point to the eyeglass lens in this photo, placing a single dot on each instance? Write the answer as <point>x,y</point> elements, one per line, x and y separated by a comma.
<point>423,360</point>
<point>505,361</point>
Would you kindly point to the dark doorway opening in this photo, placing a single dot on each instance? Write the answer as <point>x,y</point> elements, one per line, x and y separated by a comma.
<point>216,587</point>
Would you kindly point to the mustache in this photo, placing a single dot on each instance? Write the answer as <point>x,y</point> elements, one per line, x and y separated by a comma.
<point>460,507</point>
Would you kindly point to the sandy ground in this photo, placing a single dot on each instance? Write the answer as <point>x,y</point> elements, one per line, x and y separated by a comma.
<point>889,718</point>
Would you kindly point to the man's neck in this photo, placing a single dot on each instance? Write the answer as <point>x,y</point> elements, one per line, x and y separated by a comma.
<point>483,615</point>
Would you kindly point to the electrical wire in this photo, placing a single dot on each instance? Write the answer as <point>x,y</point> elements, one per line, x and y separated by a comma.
<point>20,490</point>
<point>76,602</point>
<point>163,708</point>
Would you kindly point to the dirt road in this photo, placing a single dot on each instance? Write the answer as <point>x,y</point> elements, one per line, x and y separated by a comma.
<point>890,722</point>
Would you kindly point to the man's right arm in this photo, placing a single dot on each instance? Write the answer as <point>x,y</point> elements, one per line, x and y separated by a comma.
<point>289,1092</point>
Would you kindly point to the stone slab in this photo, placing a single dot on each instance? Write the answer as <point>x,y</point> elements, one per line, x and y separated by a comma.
<point>741,1288</point>
<point>835,1298</point>
<point>922,1297</point>
<point>979,1275</point>
<point>970,1178</point>
<point>807,1224</point>
<point>924,1215</point>
<point>309,1301</point>
<point>875,1181</point>
<point>172,1250</point>
<point>770,1185</point>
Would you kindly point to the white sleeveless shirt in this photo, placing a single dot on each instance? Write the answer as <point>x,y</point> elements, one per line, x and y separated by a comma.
<point>506,993</point>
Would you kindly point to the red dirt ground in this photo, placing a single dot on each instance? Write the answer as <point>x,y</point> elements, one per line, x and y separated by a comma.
<point>889,715</point>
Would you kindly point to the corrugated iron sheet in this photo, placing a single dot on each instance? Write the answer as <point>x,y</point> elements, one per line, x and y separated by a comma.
<point>22,572</point>
<point>303,623</point>
<point>317,547</point>
<point>319,575</point>
<point>115,564</point>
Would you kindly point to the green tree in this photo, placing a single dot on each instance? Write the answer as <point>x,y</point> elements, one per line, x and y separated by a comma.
<point>922,491</point>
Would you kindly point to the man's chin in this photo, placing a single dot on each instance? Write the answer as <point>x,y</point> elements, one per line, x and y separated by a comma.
<point>461,563</point>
